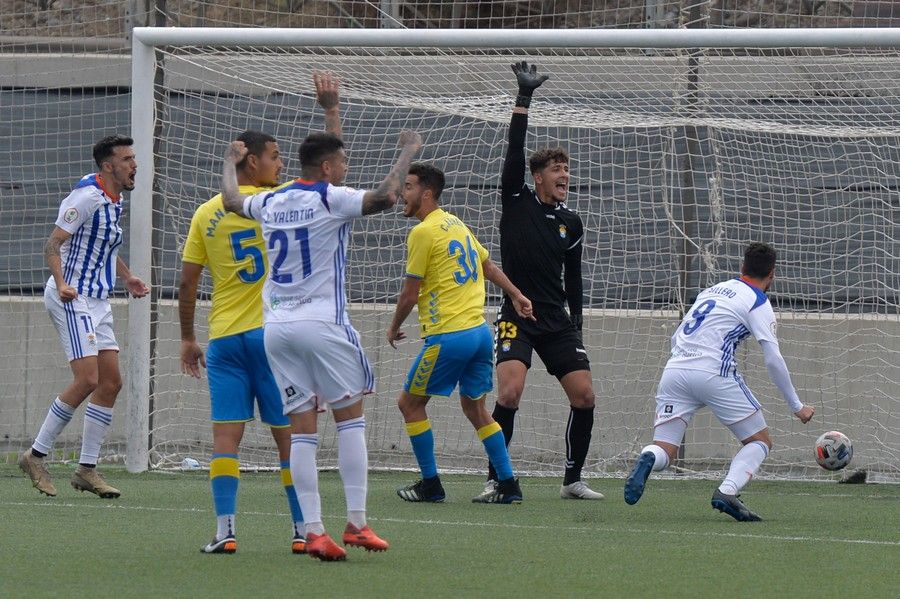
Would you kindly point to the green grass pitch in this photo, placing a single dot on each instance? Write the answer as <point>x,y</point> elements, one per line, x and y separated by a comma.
<point>816,540</point>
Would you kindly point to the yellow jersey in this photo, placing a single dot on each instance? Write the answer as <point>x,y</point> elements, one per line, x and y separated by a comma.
<point>443,253</point>
<point>232,247</point>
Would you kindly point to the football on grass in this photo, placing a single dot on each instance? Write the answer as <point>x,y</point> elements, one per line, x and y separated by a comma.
<point>833,450</point>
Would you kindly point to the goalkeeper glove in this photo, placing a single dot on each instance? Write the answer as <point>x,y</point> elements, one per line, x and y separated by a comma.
<point>578,323</point>
<point>528,80</point>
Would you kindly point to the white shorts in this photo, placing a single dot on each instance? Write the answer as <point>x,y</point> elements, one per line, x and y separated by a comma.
<point>85,325</point>
<point>682,392</point>
<point>317,363</point>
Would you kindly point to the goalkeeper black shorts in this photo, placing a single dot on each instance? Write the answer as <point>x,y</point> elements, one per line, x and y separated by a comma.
<point>553,336</point>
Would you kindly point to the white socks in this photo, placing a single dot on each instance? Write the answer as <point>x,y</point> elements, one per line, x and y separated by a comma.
<point>224,526</point>
<point>97,421</point>
<point>662,458</point>
<point>353,464</point>
<point>58,416</point>
<point>306,480</point>
<point>743,467</point>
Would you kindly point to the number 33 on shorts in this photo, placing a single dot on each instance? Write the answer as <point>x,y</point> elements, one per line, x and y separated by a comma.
<point>506,332</point>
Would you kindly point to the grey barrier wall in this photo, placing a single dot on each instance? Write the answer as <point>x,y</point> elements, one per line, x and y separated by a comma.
<point>860,400</point>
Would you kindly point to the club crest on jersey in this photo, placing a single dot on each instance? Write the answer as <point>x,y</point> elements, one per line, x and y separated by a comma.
<point>70,215</point>
<point>562,231</point>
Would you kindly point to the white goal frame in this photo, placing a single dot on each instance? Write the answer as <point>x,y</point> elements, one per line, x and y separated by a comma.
<point>146,39</point>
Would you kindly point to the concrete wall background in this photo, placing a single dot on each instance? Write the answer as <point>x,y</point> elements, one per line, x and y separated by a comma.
<point>838,365</point>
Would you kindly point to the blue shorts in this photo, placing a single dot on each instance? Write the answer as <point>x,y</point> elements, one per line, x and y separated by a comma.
<point>238,372</point>
<point>464,357</point>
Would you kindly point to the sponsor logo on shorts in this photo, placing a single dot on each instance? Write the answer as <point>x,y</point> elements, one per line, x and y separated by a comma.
<point>667,409</point>
<point>290,391</point>
<point>70,215</point>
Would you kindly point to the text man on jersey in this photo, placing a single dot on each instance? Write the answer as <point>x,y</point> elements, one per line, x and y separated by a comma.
<point>702,371</point>
<point>238,371</point>
<point>82,253</point>
<point>313,350</point>
<point>445,272</point>
<point>540,249</point>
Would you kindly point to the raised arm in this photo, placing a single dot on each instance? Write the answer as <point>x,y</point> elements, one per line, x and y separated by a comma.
<point>779,374</point>
<point>231,196</point>
<point>513,177</point>
<point>386,194</point>
<point>495,275</point>
<point>328,96</point>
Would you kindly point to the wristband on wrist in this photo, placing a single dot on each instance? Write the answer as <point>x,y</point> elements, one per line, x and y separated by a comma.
<point>523,101</point>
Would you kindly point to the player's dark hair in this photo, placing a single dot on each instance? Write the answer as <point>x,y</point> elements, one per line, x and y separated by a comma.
<point>759,260</point>
<point>316,148</point>
<point>104,148</point>
<point>430,177</point>
<point>543,157</point>
<point>255,141</point>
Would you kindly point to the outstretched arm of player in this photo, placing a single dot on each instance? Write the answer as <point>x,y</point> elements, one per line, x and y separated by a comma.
<point>495,275</point>
<point>231,195</point>
<point>513,177</point>
<point>54,261</point>
<point>191,354</point>
<point>574,284</point>
<point>386,194</point>
<point>409,295</point>
<point>135,286</point>
<point>328,96</point>
<point>779,374</point>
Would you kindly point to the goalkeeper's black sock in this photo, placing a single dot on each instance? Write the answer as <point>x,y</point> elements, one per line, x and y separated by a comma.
<point>578,440</point>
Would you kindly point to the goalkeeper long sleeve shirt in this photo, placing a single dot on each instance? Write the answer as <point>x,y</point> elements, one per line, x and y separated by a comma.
<point>537,241</point>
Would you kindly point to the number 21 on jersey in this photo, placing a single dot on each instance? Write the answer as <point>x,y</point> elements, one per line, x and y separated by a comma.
<point>279,242</point>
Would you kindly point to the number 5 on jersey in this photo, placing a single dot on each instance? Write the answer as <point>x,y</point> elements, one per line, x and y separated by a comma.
<point>240,252</point>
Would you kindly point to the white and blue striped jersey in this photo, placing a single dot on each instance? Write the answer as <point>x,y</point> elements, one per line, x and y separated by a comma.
<point>89,256</point>
<point>306,228</point>
<point>721,318</point>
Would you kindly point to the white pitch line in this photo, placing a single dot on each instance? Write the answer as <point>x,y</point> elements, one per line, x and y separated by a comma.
<point>585,529</point>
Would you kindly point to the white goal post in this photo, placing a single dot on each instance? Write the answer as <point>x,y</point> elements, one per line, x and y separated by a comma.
<point>685,144</point>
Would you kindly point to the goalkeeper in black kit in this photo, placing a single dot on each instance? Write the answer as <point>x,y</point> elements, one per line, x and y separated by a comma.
<point>540,247</point>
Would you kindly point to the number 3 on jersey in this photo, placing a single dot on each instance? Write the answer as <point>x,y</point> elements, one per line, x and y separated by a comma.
<point>699,315</point>
<point>279,239</point>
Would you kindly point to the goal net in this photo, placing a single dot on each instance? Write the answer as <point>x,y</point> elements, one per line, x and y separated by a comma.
<point>685,146</point>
